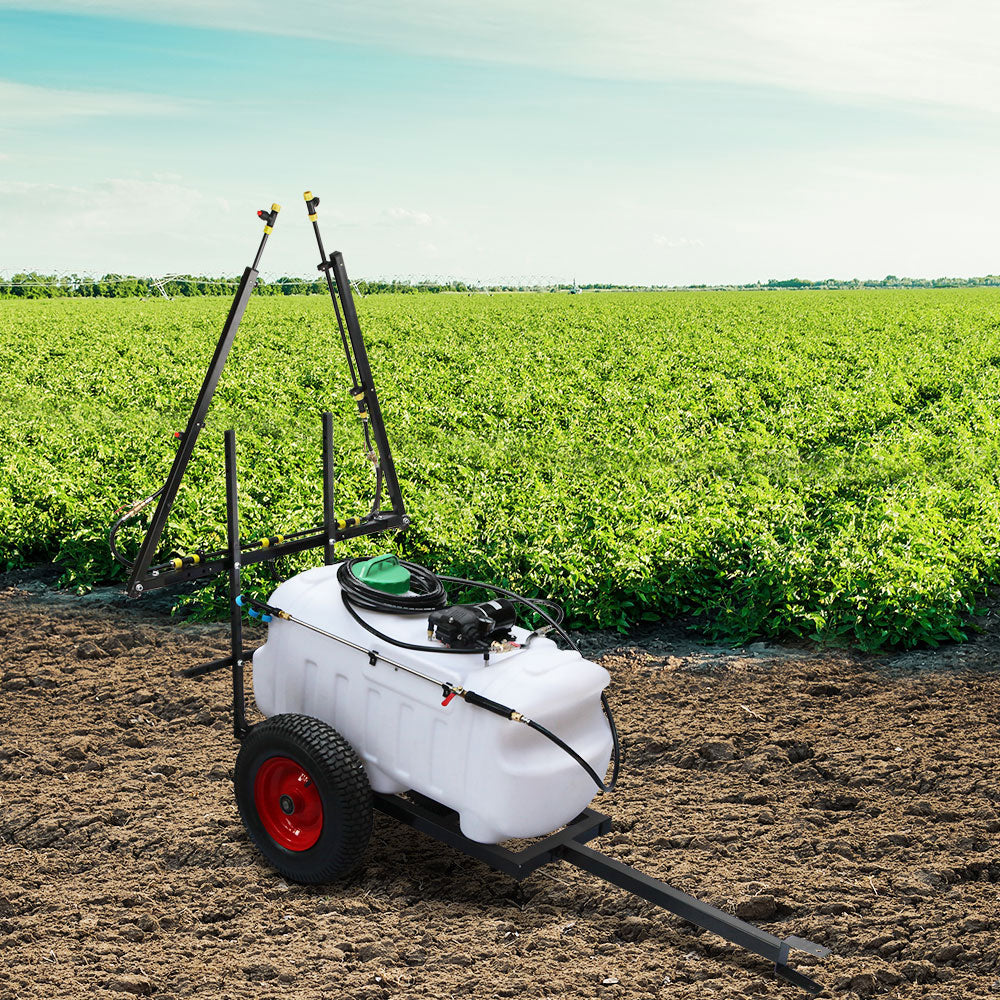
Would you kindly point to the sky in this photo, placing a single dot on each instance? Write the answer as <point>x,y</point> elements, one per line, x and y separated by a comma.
<point>643,142</point>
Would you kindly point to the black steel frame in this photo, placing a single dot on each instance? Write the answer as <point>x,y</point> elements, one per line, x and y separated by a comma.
<point>145,577</point>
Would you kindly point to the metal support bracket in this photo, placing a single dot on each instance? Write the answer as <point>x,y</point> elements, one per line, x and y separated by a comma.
<point>441,823</point>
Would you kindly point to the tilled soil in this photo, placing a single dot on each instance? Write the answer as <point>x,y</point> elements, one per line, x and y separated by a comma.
<point>849,799</point>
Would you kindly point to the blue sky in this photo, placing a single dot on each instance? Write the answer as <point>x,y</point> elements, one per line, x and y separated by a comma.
<point>649,142</point>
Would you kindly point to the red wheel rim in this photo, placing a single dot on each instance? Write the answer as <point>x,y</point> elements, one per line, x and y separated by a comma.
<point>288,803</point>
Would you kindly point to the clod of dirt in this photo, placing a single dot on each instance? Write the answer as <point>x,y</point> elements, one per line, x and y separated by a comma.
<point>136,985</point>
<point>918,972</point>
<point>864,985</point>
<point>261,972</point>
<point>77,747</point>
<point>948,953</point>
<point>798,752</point>
<point>716,751</point>
<point>757,908</point>
<point>113,645</point>
<point>823,690</point>
<point>88,650</point>
<point>118,817</point>
<point>634,929</point>
<point>837,803</point>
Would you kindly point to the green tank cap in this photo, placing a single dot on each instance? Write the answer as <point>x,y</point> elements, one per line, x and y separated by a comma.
<point>383,573</point>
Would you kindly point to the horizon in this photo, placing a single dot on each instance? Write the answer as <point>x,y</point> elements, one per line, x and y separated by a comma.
<point>441,283</point>
<point>672,145</point>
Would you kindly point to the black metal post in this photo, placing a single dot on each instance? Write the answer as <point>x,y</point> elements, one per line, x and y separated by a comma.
<point>367,382</point>
<point>235,588</point>
<point>329,521</point>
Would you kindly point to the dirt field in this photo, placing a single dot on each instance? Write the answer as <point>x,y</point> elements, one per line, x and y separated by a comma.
<point>849,799</point>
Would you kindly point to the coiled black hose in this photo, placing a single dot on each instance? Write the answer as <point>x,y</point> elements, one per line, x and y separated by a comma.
<point>428,591</point>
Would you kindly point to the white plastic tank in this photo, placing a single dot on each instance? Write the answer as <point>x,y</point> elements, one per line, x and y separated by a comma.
<point>503,779</point>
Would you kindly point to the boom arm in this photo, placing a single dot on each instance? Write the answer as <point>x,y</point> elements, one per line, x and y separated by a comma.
<point>189,438</point>
<point>363,386</point>
<point>145,576</point>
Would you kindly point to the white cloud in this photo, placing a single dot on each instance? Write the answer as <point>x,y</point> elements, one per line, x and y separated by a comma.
<point>921,51</point>
<point>22,102</point>
<point>408,216</point>
<point>94,228</point>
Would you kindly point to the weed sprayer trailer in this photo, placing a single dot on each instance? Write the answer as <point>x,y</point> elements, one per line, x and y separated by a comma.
<point>380,693</point>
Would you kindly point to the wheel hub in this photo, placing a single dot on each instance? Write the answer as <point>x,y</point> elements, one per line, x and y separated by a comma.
<point>288,804</point>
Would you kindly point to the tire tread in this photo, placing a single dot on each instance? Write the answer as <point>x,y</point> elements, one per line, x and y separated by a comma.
<point>344,771</point>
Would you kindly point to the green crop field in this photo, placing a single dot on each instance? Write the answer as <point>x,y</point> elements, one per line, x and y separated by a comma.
<point>822,464</point>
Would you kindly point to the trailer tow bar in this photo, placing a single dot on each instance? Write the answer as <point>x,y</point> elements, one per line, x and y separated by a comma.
<point>570,845</point>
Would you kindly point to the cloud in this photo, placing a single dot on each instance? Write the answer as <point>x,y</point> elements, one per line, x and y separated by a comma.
<point>915,51</point>
<point>183,227</point>
<point>96,228</point>
<point>24,102</point>
<point>405,215</point>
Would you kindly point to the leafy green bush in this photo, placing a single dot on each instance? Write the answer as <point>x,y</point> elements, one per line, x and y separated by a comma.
<point>774,464</point>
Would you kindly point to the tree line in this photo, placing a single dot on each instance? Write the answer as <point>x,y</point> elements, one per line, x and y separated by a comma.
<point>32,285</point>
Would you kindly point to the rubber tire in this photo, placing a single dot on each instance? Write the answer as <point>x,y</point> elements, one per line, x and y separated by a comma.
<point>343,787</point>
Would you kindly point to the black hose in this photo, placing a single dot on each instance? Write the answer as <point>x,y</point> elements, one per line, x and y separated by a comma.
<point>568,749</point>
<point>116,526</point>
<point>431,595</point>
<point>556,623</point>
<point>377,499</point>
<point>399,642</point>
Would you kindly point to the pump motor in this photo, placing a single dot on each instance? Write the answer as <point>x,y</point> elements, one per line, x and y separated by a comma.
<point>472,626</point>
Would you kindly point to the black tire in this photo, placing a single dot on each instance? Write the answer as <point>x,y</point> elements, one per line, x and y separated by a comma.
<point>332,766</point>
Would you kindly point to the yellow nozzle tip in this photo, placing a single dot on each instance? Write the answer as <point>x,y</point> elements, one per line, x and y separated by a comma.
<point>308,195</point>
<point>275,207</point>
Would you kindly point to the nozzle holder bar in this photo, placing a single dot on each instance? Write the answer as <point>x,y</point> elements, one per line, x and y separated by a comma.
<point>353,343</point>
<point>367,381</point>
<point>214,564</point>
<point>240,727</point>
